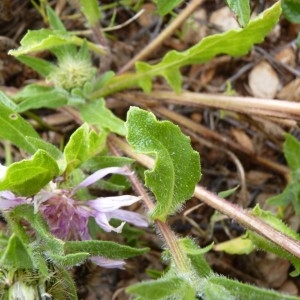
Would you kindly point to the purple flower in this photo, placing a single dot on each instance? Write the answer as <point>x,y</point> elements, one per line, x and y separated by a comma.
<point>68,218</point>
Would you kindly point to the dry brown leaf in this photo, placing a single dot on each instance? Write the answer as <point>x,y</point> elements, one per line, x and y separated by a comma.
<point>291,91</point>
<point>263,81</point>
<point>286,56</point>
<point>243,139</point>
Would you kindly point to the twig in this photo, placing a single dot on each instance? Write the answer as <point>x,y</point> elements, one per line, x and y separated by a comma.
<point>235,212</point>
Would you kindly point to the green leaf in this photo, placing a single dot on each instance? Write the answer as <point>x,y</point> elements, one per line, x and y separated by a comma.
<point>291,10</point>
<point>42,66</point>
<point>46,39</point>
<point>290,194</point>
<point>239,245</point>
<point>220,287</point>
<point>166,6</point>
<point>267,245</point>
<point>95,113</point>
<point>91,11</point>
<point>227,193</point>
<point>50,149</point>
<point>77,149</point>
<point>36,96</point>
<point>235,42</point>
<point>242,10</point>
<point>291,150</point>
<point>7,102</point>
<point>15,129</point>
<point>196,255</point>
<point>103,248</point>
<point>163,288</point>
<point>70,260</point>
<point>177,165</point>
<point>17,255</point>
<point>54,20</point>
<point>27,177</point>
<point>101,162</point>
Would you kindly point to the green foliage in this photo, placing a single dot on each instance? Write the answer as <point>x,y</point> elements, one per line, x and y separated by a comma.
<point>166,6</point>
<point>15,129</point>
<point>96,113</point>
<point>234,42</point>
<point>91,11</point>
<point>16,255</point>
<point>36,96</point>
<point>242,10</point>
<point>46,39</point>
<point>264,244</point>
<point>291,193</point>
<point>107,249</point>
<point>291,10</point>
<point>177,166</point>
<point>27,177</point>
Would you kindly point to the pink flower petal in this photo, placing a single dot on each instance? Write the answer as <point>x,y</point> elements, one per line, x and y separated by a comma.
<point>98,175</point>
<point>103,222</point>
<point>128,216</point>
<point>112,203</point>
<point>107,262</point>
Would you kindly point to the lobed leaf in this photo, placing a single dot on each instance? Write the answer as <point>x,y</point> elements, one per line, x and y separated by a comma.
<point>234,42</point>
<point>177,165</point>
<point>27,177</point>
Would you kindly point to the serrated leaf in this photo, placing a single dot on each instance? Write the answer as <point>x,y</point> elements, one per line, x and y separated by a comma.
<point>91,11</point>
<point>27,177</point>
<point>103,248</point>
<point>242,10</point>
<point>37,96</point>
<point>96,113</point>
<point>166,6</point>
<point>291,10</point>
<point>15,129</point>
<point>177,165</point>
<point>16,255</point>
<point>234,42</point>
